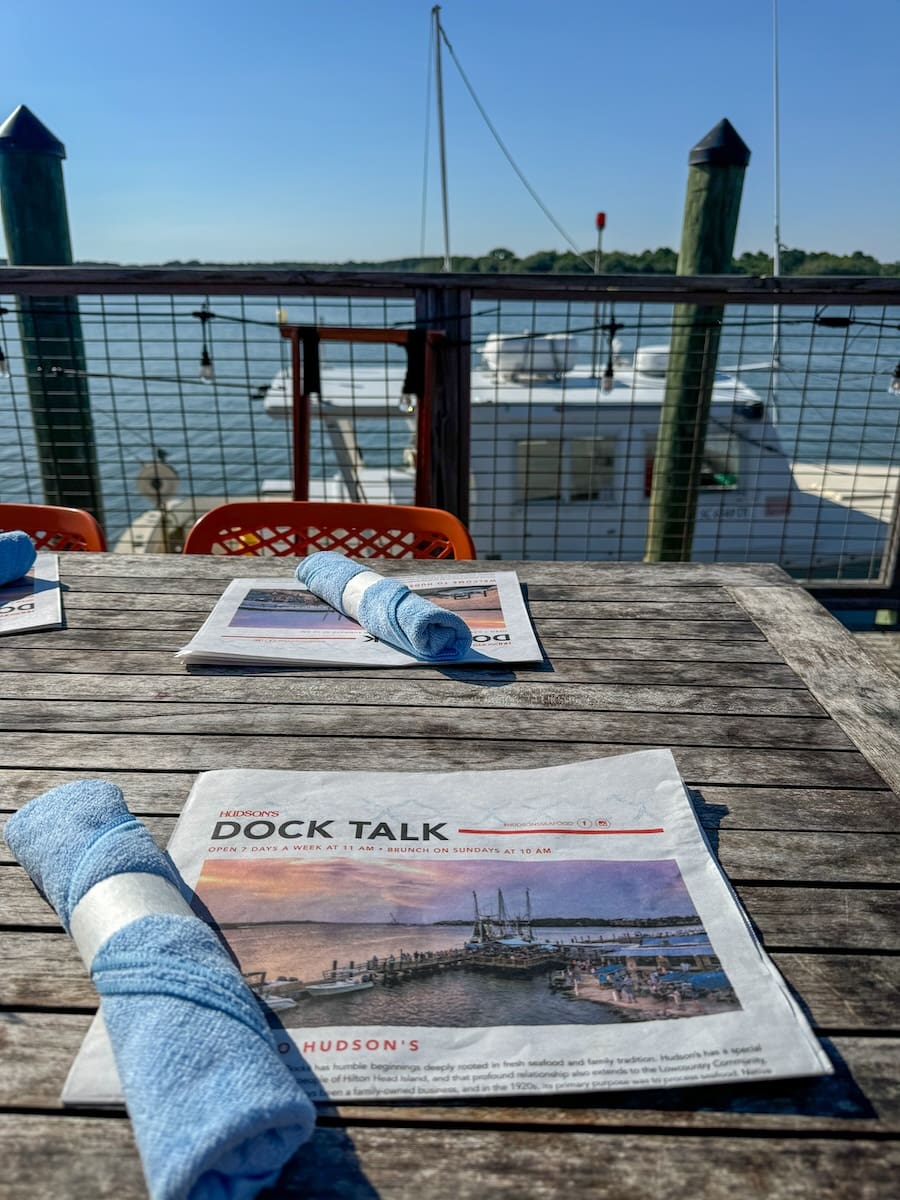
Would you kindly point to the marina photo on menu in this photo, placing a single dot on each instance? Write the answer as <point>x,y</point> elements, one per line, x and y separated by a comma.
<point>288,608</point>
<point>467,943</point>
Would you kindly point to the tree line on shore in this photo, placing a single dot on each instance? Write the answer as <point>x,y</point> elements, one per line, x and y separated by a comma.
<point>501,261</point>
<point>661,261</point>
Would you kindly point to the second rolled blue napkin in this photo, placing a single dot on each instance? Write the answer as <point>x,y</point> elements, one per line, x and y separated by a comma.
<point>387,609</point>
<point>17,555</point>
<point>215,1111</point>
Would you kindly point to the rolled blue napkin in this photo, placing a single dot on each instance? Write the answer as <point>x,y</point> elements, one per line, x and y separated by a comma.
<point>215,1111</point>
<point>387,609</point>
<point>17,555</point>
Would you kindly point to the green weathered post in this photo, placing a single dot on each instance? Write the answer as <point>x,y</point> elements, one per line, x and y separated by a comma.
<point>715,181</point>
<point>36,225</point>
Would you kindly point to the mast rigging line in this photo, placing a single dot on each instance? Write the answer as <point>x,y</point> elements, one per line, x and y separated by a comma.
<point>441,32</point>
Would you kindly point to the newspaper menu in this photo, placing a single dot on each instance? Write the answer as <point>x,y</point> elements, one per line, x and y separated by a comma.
<point>482,933</point>
<point>279,622</point>
<point>32,602</point>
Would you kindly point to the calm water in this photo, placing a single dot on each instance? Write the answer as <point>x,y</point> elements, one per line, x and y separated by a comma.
<point>143,357</point>
<point>451,997</point>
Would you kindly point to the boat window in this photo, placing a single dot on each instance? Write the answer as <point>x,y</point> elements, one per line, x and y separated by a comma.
<point>591,467</point>
<point>565,469</point>
<point>719,467</point>
<point>539,468</point>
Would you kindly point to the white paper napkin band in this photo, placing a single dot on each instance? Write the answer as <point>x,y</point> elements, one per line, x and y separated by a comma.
<point>353,592</point>
<point>115,902</point>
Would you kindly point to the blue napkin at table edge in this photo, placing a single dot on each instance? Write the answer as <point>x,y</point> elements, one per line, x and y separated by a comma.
<point>215,1111</point>
<point>389,610</point>
<point>17,555</point>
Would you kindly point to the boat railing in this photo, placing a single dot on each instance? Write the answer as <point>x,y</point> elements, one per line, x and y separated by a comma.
<point>139,393</point>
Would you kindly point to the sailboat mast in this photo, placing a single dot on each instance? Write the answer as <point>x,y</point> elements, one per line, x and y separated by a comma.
<point>439,88</point>
<point>776,249</point>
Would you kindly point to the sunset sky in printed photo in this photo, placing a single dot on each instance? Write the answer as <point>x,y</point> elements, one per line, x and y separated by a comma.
<point>335,889</point>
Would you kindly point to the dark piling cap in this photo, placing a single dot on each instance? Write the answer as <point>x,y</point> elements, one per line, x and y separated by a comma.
<point>22,131</point>
<point>723,146</point>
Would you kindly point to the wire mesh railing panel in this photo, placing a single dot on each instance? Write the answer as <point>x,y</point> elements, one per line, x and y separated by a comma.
<point>799,464</point>
<point>188,401</point>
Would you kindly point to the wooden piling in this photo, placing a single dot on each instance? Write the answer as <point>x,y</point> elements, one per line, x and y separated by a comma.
<point>715,181</point>
<point>36,226</point>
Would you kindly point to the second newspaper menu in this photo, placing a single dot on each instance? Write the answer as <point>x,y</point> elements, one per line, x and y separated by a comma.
<point>278,622</point>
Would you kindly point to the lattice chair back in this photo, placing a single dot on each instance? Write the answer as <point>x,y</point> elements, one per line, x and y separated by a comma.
<point>300,527</point>
<point>54,527</point>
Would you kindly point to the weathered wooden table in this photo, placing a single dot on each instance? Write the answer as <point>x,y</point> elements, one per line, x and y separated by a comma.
<point>789,735</point>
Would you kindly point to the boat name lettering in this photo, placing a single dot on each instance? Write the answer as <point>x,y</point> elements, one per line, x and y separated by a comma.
<point>259,830</point>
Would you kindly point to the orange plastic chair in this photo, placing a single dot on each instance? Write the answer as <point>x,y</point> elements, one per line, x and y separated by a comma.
<point>301,527</point>
<point>53,527</point>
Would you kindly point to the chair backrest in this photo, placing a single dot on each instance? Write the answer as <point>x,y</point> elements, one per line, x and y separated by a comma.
<point>53,527</point>
<point>301,527</point>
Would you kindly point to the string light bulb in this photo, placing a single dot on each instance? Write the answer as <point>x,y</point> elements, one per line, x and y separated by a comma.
<point>207,371</point>
<point>894,385</point>
<point>606,383</point>
<point>4,365</point>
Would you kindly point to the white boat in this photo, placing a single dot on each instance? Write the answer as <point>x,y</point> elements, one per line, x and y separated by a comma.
<point>276,1003</point>
<point>562,460</point>
<point>269,991</point>
<point>341,980</point>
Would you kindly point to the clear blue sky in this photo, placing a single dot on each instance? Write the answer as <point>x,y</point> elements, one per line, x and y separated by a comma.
<point>294,129</point>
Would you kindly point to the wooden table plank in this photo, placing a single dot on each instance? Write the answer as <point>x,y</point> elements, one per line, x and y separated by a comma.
<point>101,752</point>
<point>85,1159</point>
<point>42,1046</point>
<point>195,606</point>
<point>434,693</point>
<point>366,721</point>
<point>860,695</point>
<point>644,669</point>
<point>619,639</point>
<point>194,567</point>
